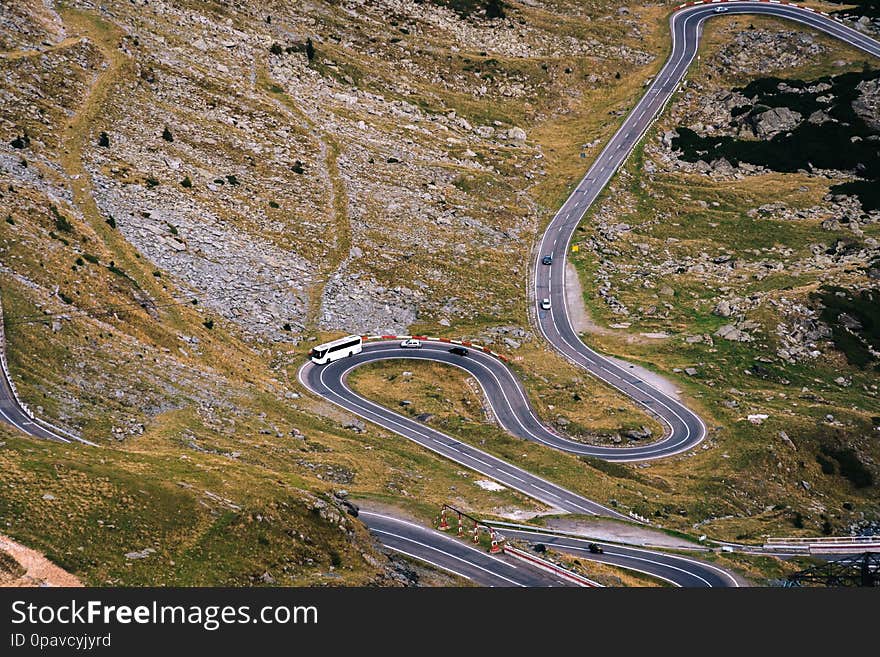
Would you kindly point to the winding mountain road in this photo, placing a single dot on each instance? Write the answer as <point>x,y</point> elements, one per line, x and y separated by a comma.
<point>684,429</point>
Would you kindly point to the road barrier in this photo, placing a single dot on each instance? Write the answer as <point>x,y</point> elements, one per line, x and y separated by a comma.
<point>5,366</point>
<point>61,434</point>
<point>824,544</point>
<point>551,567</point>
<point>463,343</point>
<point>495,548</point>
<point>698,3</point>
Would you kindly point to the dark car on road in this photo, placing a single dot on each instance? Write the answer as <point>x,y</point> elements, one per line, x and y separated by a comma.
<point>595,549</point>
<point>459,351</point>
<point>547,260</point>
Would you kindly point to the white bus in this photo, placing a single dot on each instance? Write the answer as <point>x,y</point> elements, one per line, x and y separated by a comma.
<point>348,346</point>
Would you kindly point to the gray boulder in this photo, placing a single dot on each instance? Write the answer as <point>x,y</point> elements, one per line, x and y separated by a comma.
<point>773,121</point>
<point>867,105</point>
<point>730,332</point>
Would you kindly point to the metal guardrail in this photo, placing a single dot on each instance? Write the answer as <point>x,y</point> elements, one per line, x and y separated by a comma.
<point>823,544</point>
<point>61,434</point>
<point>551,567</point>
<point>822,540</point>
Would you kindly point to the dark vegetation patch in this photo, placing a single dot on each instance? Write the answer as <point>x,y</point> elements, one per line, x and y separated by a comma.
<point>845,462</point>
<point>9,566</point>
<point>854,318</point>
<point>62,223</point>
<point>466,8</point>
<point>861,8</point>
<point>622,471</point>
<point>846,143</point>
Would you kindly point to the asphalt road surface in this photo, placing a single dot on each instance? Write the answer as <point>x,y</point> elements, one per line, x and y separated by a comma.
<point>454,555</point>
<point>684,428</point>
<point>675,569</point>
<point>12,413</point>
<point>503,391</point>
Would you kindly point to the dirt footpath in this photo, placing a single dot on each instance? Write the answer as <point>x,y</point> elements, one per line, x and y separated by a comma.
<point>609,530</point>
<point>583,323</point>
<point>21,566</point>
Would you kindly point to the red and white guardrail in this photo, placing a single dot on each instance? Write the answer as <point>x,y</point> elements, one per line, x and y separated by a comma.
<point>697,3</point>
<point>551,567</point>
<point>463,343</point>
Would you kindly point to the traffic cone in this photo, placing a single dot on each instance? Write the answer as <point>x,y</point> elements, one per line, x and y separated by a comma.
<point>443,526</point>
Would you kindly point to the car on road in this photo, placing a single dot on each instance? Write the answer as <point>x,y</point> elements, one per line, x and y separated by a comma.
<point>545,304</point>
<point>411,343</point>
<point>595,548</point>
<point>547,260</point>
<point>459,351</point>
<point>720,10</point>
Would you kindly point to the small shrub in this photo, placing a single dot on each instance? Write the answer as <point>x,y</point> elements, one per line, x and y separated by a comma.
<point>186,182</point>
<point>208,324</point>
<point>298,167</point>
<point>276,49</point>
<point>111,221</point>
<point>20,142</point>
<point>151,182</point>
<point>495,9</point>
<point>10,220</point>
<point>166,135</point>
<point>310,49</point>
<point>851,467</point>
<point>232,179</point>
<point>93,259</point>
<point>157,274</point>
<point>62,223</point>
<point>273,205</point>
<point>798,520</point>
<point>80,262</point>
<point>104,140</point>
<point>173,229</point>
<point>826,464</point>
<point>66,299</point>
